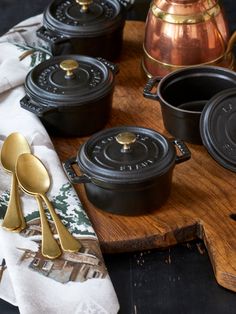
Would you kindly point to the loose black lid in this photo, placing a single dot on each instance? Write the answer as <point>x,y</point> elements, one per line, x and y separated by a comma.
<point>126,155</point>
<point>69,80</point>
<point>71,19</point>
<point>218,128</point>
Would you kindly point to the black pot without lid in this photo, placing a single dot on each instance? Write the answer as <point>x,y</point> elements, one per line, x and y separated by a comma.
<point>95,31</point>
<point>183,95</point>
<point>74,104</point>
<point>127,170</point>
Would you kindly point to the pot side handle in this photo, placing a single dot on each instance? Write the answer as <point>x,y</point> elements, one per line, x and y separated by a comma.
<point>49,36</point>
<point>147,91</point>
<point>231,44</point>
<point>72,176</point>
<point>39,110</point>
<point>110,65</point>
<point>185,152</point>
<point>127,4</point>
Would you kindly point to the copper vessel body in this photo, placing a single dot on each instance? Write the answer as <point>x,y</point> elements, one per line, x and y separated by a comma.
<point>182,33</point>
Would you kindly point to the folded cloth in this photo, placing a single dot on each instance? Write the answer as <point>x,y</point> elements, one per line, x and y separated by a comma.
<point>76,282</point>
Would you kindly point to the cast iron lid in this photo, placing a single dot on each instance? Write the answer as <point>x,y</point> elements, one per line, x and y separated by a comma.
<point>84,18</point>
<point>126,155</point>
<point>69,80</point>
<point>218,128</point>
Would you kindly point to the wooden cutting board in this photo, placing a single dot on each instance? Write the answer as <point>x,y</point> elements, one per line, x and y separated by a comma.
<point>203,199</point>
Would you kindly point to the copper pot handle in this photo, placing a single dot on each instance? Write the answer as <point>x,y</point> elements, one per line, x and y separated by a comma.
<point>231,44</point>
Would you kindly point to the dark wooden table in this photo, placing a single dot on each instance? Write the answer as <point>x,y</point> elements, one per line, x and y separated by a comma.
<point>179,279</point>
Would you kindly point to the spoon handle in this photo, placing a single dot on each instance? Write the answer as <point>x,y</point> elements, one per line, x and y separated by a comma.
<point>50,247</point>
<point>13,217</point>
<point>68,242</point>
<point>23,223</point>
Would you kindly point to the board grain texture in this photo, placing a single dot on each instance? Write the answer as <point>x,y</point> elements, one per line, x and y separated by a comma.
<point>202,203</point>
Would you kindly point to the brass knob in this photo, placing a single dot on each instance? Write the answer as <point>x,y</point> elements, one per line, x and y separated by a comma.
<point>69,66</point>
<point>126,139</point>
<point>85,4</point>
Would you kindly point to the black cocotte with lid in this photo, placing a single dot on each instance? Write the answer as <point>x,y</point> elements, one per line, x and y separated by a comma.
<point>127,170</point>
<point>72,94</point>
<point>88,27</point>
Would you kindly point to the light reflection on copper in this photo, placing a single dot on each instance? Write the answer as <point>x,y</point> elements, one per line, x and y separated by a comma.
<point>197,34</point>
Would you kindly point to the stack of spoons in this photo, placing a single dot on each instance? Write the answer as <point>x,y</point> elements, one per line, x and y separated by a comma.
<point>32,176</point>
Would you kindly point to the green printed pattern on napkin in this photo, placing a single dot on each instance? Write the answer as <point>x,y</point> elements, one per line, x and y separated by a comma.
<point>38,53</point>
<point>71,214</point>
<point>75,219</point>
<point>81,266</point>
<point>4,199</point>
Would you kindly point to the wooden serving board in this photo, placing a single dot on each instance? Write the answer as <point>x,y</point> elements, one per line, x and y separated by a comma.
<point>203,199</point>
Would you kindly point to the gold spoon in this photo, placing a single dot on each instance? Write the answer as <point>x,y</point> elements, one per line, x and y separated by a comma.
<point>14,145</point>
<point>34,179</point>
<point>49,247</point>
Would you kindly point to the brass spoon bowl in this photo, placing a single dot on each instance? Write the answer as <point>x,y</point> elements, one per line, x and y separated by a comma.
<point>14,145</point>
<point>34,179</point>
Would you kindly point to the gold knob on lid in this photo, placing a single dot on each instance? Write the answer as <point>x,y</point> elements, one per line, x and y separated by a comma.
<point>85,4</point>
<point>126,139</point>
<point>69,66</point>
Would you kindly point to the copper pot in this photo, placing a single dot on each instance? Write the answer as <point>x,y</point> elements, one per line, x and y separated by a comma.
<point>182,33</point>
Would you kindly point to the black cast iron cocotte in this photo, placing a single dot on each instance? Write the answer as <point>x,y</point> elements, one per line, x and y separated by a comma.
<point>71,94</point>
<point>127,170</point>
<point>92,27</point>
<point>184,93</point>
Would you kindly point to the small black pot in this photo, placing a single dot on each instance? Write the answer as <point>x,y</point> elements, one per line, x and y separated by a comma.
<point>184,93</point>
<point>71,94</point>
<point>127,170</point>
<point>95,30</point>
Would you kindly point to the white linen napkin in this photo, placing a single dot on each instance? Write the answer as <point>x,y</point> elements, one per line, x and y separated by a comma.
<point>75,283</point>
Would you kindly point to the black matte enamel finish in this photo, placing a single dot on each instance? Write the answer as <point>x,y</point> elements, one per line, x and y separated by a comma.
<point>127,183</point>
<point>81,120</point>
<point>131,200</point>
<point>108,46</point>
<point>218,128</point>
<point>96,33</point>
<point>183,95</point>
<point>78,106</point>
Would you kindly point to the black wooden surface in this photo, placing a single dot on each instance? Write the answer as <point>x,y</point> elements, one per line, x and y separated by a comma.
<point>176,280</point>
